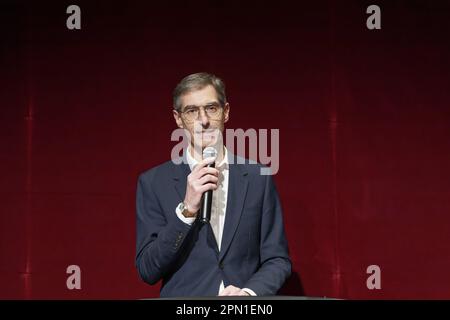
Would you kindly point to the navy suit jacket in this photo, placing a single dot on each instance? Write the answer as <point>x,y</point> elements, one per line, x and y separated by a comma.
<point>254,251</point>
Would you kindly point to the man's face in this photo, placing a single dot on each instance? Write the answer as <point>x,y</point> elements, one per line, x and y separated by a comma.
<point>202,116</point>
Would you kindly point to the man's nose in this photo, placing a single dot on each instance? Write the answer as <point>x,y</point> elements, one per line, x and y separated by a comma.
<point>204,118</point>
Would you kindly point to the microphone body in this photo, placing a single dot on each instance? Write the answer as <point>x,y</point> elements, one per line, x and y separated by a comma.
<point>205,209</point>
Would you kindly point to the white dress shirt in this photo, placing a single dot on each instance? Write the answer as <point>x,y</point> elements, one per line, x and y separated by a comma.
<point>219,203</point>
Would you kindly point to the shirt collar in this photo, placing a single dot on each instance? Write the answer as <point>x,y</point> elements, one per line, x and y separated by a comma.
<point>220,166</point>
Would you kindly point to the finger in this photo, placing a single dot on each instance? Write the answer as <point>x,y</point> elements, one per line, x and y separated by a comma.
<point>208,178</point>
<point>236,291</point>
<point>206,187</point>
<point>243,293</point>
<point>207,170</point>
<point>224,292</point>
<point>233,291</point>
<point>193,177</point>
<point>204,163</point>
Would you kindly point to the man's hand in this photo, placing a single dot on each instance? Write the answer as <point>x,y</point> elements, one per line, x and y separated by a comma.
<point>233,291</point>
<point>201,179</point>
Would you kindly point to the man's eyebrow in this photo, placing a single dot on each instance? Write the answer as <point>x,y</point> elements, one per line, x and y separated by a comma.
<point>206,104</point>
<point>190,106</point>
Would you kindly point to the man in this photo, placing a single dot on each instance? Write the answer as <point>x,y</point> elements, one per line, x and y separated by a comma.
<point>243,250</point>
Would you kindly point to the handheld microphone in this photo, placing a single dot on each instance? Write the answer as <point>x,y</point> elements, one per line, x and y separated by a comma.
<point>205,210</point>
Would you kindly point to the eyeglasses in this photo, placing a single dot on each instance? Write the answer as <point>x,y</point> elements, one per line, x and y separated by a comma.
<point>212,111</point>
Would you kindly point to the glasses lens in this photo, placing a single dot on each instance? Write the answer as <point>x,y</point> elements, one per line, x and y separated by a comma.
<point>191,114</point>
<point>212,111</point>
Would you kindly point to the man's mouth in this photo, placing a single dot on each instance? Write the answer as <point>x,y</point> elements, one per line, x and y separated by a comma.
<point>208,132</point>
<point>209,135</point>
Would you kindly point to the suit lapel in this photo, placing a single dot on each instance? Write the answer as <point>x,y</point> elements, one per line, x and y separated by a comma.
<point>237,191</point>
<point>181,172</point>
<point>211,239</point>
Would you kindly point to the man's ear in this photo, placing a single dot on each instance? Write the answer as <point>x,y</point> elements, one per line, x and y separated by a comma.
<point>226,112</point>
<point>177,117</point>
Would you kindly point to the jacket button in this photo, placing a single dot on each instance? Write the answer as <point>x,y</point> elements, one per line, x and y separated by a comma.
<point>221,265</point>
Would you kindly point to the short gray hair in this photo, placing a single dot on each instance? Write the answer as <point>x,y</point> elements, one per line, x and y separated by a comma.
<point>198,81</point>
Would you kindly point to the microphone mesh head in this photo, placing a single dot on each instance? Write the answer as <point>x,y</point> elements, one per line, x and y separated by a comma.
<point>209,152</point>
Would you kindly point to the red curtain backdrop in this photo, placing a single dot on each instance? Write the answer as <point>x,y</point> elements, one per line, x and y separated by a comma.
<point>364,122</point>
